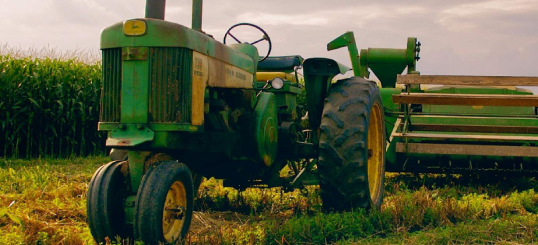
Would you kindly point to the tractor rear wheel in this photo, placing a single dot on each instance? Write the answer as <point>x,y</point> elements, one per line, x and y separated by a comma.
<point>164,204</point>
<point>352,146</point>
<point>106,194</point>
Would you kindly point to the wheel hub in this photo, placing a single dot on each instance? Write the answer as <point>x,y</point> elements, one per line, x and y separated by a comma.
<point>174,211</point>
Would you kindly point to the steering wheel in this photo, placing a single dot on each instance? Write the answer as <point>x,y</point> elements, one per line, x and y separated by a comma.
<point>264,38</point>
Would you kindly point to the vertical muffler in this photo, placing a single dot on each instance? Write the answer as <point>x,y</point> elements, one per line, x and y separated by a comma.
<point>155,10</point>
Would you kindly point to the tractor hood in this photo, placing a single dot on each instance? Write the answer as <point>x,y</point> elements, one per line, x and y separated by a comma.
<point>160,33</point>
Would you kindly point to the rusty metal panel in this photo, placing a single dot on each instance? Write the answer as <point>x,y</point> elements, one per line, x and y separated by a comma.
<point>134,53</point>
<point>466,149</point>
<point>200,76</point>
<point>223,75</point>
<point>170,85</point>
<point>111,88</point>
<point>468,80</point>
<point>466,99</point>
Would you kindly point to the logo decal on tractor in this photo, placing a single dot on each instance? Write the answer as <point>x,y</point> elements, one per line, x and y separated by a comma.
<point>134,27</point>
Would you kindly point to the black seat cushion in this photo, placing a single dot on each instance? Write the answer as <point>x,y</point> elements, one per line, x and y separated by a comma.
<point>280,63</point>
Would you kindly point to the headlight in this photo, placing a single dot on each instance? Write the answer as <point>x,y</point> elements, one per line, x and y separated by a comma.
<point>277,83</point>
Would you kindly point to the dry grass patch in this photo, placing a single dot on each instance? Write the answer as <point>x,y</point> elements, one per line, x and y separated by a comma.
<point>43,202</point>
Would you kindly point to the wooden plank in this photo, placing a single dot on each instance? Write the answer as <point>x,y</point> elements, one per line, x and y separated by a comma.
<point>468,80</point>
<point>396,128</point>
<point>472,120</point>
<point>465,99</point>
<point>476,137</point>
<point>474,128</point>
<point>465,149</point>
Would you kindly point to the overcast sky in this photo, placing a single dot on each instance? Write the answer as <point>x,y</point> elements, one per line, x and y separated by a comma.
<point>459,37</point>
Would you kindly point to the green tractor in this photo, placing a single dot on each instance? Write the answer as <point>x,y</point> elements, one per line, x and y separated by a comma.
<point>178,105</point>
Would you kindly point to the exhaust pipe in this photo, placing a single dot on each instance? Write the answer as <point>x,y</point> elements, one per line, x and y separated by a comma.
<point>197,15</point>
<point>155,10</point>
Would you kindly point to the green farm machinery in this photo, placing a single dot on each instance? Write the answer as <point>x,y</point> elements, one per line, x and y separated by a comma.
<point>452,124</point>
<point>466,124</point>
<point>178,105</point>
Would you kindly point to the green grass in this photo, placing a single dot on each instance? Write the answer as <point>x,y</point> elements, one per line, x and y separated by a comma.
<point>513,229</point>
<point>43,202</point>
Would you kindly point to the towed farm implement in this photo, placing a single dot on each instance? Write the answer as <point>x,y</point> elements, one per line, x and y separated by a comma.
<point>178,105</point>
<point>469,124</point>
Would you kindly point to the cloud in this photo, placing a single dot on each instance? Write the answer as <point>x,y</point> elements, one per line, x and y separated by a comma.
<point>492,6</point>
<point>469,17</point>
<point>459,36</point>
<point>280,19</point>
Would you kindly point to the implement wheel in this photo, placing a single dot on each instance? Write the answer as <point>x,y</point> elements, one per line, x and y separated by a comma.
<point>106,194</point>
<point>164,204</point>
<point>352,146</point>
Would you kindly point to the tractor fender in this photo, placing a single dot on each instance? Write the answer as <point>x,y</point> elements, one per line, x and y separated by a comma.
<point>265,128</point>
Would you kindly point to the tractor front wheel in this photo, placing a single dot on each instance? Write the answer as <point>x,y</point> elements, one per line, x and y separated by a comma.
<point>352,146</point>
<point>106,194</point>
<point>164,204</point>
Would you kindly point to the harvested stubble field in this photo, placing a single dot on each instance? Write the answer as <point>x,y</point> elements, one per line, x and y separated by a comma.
<point>43,202</point>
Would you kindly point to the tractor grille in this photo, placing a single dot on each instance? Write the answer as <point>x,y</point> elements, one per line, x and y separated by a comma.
<point>111,90</point>
<point>171,83</point>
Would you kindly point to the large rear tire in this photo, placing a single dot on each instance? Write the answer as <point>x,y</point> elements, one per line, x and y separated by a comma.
<point>352,146</point>
<point>164,204</point>
<point>104,205</point>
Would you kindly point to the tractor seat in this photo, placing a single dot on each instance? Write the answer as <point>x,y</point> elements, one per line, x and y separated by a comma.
<point>280,63</point>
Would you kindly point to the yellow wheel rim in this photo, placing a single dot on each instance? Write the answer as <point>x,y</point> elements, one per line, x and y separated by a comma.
<point>175,209</point>
<point>376,153</point>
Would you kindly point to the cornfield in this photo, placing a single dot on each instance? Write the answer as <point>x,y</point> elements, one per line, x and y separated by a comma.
<point>49,107</point>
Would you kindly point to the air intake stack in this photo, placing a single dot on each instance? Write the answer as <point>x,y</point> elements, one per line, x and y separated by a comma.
<point>155,10</point>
